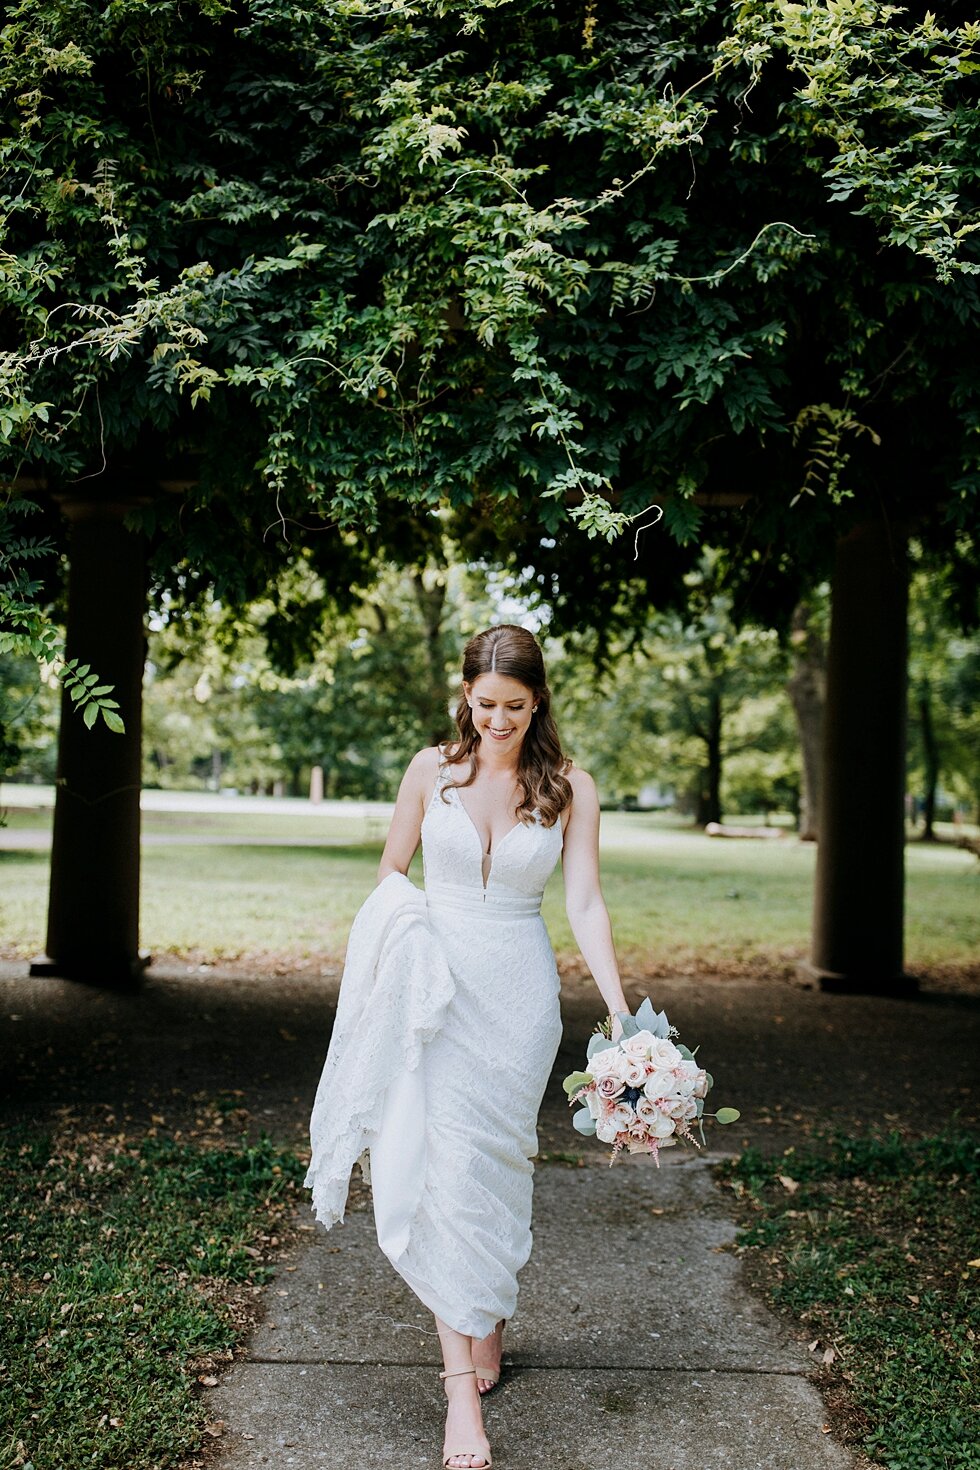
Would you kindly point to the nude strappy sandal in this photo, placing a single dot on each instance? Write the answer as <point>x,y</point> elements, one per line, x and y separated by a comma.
<point>447,1454</point>
<point>493,1378</point>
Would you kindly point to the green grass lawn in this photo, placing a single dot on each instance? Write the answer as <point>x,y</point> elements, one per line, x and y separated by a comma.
<point>680,902</point>
<point>872,1243</point>
<point>130,1273</point>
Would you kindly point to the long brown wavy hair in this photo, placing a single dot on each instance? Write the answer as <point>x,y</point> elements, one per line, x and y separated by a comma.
<point>507,649</point>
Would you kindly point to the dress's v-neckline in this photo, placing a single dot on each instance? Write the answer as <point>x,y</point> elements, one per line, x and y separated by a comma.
<point>492,853</point>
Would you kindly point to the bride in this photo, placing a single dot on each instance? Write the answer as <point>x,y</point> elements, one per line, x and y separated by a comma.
<point>474,987</point>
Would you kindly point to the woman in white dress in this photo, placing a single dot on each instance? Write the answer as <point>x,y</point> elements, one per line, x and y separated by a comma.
<point>450,1152</point>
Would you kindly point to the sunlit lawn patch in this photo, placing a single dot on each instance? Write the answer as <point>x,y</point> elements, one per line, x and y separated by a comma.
<point>680,902</point>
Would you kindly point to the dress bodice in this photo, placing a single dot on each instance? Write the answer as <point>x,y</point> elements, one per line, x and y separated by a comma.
<point>452,855</point>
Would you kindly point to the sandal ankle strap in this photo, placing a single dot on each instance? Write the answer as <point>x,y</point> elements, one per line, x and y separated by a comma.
<point>461,1374</point>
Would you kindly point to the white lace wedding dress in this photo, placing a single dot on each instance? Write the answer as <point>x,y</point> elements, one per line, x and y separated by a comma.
<point>452,1141</point>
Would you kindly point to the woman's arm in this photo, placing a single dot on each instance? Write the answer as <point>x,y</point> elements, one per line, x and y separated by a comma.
<point>405,832</point>
<point>584,903</point>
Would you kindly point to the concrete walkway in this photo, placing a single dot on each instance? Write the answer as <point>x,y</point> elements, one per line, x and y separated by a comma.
<point>634,1345</point>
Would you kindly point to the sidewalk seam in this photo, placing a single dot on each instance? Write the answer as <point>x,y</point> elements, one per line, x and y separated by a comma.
<point>531,1367</point>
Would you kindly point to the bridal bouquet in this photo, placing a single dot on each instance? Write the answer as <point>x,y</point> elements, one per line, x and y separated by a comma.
<point>643,1092</point>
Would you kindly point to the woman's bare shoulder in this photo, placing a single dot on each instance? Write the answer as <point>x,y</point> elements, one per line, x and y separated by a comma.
<point>426,762</point>
<point>585,798</point>
<point>580,781</point>
<point>421,771</point>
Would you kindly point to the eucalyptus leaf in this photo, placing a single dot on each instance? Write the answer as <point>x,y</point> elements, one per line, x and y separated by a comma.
<point>584,1123</point>
<point>727,1115</point>
<point>630,1028</point>
<point>649,1020</point>
<point>685,1051</point>
<point>575,1081</point>
<point>597,1042</point>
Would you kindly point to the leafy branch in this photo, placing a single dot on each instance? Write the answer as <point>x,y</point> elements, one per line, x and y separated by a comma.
<point>27,630</point>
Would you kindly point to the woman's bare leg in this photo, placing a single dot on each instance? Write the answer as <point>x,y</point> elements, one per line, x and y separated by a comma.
<point>464,1421</point>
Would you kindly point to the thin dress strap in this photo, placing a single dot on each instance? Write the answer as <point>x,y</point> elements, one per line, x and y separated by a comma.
<point>442,773</point>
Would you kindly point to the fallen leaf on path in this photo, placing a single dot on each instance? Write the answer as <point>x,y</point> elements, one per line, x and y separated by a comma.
<point>790,1185</point>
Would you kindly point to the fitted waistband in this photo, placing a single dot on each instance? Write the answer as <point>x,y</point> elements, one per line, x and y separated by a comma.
<point>491,903</point>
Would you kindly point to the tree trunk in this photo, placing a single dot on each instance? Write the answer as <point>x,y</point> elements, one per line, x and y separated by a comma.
<point>859,896</point>
<point>431,602</point>
<point>807,687</point>
<point>93,910</point>
<point>930,749</point>
<point>709,788</point>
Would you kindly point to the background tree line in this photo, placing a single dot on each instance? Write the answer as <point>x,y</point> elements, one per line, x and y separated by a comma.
<point>690,711</point>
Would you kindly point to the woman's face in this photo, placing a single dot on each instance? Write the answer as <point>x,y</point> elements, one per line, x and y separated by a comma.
<point>501,709</point>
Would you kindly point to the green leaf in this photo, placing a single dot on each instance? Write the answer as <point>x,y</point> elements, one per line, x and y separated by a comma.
<point>584,1123</point>
<point>727,1115</point>
<point>90,714</point>
<point>114,722</point>
<point>575,1081</point>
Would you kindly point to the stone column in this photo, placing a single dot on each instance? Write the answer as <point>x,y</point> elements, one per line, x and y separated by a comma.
<point>859,899</point>
<point>93,910</point>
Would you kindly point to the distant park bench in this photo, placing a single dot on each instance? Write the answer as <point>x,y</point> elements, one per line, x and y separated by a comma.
<point>375,826</point>
<point>722,829</point>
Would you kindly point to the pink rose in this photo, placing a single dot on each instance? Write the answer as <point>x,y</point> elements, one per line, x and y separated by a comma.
<point>609,1087</point>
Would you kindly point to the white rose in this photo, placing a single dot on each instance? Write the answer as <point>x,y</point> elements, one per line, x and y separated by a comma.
<point>683,1086</point>
<point>659,1084</point>
<point>592,1103</point>
<point>664,1054</point>
<point>622,1115</point>
<point>662,1127</point>
<point>675,1107</point>
<point>647,1110</point>
<point>634,1073</point>
<point>639,1046</point>
<point>601,1063</point>
<point>690,1108</point>
<point>701,1083</point>
<point>606,1130</point>
<point>638,1145</point>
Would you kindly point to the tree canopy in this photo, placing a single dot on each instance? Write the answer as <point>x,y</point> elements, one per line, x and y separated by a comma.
<point>330,265</point>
